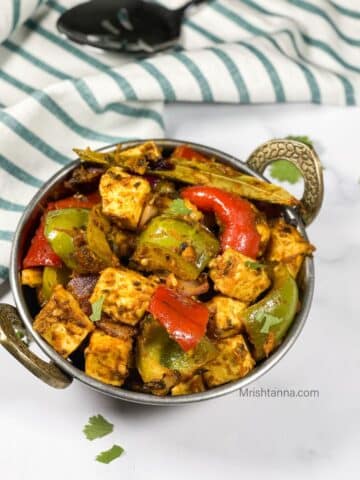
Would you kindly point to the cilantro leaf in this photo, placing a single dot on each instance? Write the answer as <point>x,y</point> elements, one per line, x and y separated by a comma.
<point>254,265</point>
<point>284,170</point>
<point>109,455</point>
<point>97,427</point>
<point>178,207</point>
<point>96,308</point>
<point>269,321</point>
<point>302,138</point>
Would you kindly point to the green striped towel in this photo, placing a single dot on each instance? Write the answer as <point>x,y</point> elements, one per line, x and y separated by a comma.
<point>55,95</point>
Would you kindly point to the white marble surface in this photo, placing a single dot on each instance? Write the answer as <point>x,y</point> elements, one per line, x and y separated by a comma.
<point>41,429</point>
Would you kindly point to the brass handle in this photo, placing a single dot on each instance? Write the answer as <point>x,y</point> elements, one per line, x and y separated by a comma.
<point>10,324</point>
<point>305,159</point>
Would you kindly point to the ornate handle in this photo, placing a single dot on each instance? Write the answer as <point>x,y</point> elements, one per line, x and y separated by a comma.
<point>10,326</point>
<point>306,160</point>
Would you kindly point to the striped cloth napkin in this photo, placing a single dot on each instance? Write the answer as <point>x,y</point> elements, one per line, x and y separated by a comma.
<point>55,95</point>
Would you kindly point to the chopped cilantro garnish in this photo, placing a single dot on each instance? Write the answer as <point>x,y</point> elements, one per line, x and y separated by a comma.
<point>178,207</point>
<point>254,265</point>
<point>109,455</point>
<point>97,427</point>
<point>269,321</point>
<point>96,309</point>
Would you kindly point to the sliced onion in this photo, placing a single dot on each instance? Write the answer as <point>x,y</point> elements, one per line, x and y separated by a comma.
<point>148,213</point>
<point>188,288</point>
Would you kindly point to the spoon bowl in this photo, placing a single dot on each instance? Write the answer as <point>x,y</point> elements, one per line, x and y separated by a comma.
<point>126,26</point>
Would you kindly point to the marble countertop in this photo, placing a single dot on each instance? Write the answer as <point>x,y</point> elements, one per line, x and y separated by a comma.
<point>318,437</point>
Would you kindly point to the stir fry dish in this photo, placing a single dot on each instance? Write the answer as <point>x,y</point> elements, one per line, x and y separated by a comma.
<point>164,271</point>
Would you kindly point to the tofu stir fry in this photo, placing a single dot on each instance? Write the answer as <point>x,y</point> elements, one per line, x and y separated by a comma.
<point>164,272</point>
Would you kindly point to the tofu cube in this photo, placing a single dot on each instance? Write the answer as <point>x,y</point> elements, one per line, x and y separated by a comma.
<point>233,361</point>
<point>235,275</point>
<point>32,277</point>
<point>107,358</point>
<point>288,246</point>
<point>194,385</point>
<point>62,323</point>
<point>126,294</point>
<point>123,197</point>
<point>226,316</point>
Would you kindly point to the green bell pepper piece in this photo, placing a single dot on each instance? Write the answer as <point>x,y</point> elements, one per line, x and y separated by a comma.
<point>187,363</point>
<point>161,361</point>
<point>268,320</point>
<point>52,277</point>
<point>97,228</point>
<point>60,228</point>
<point>157,378</point>
<point>162,246</point>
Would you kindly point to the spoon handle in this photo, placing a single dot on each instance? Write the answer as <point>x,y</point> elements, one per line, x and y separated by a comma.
<point>191,3</point>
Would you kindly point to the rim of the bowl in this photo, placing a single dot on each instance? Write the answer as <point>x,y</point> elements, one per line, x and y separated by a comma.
<point>144,398</point>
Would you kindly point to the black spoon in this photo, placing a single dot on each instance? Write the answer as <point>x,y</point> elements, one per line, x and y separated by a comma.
<point>127,26</point>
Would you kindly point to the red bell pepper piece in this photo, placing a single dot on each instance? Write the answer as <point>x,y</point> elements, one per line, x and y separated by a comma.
<point>187,152</point>
<point>40,254</point>
<point>184,318</point>
<point>233,212</point>
<point>85,201</point>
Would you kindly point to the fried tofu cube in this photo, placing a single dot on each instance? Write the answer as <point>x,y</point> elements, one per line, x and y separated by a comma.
<point>107,358</point>
<point>234,275</point>
<point>32,277</point>
<point>136,158</point>
<point>226,316</point>
<point>288,246</point>
<point>233,361</point>
<point>123,197</point>
<point>194,385</point>
<point>126,294</point>
<point>62,323</point>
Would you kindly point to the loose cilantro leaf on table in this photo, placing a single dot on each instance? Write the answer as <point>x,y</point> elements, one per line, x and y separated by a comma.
<point>283,170</point>
<point>96,309</point>
<point>301,138</point>
<point>269,321</point>
<point>178,207</point>
<point>109,455</point>
<point>254,265</point>
<point>97,427</point>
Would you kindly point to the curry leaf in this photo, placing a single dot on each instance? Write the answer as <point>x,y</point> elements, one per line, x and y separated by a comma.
<point>96,308</point>
<point>109,455</point>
